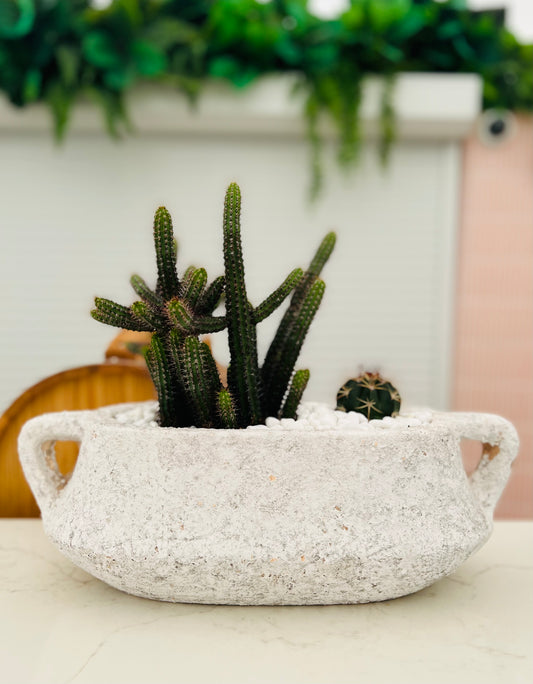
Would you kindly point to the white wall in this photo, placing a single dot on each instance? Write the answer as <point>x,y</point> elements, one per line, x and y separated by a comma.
<point>75,222</point>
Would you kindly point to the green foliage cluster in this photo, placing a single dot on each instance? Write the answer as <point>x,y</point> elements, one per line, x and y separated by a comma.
<point>178,310</point>
<point>57,50</point>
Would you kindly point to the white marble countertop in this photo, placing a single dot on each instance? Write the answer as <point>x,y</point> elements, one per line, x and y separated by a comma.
<point>58,624</point>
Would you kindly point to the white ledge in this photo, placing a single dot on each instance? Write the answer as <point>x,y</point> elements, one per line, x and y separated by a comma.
<point>428,105</point>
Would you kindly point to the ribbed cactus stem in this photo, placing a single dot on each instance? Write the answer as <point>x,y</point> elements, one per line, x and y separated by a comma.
<point>226,409</point>
<point>210,372</point>
<point>289,349</point>
<point>145,293</point>
<point>294,396</point>
<point>189,271</point>
<point>183,318</point>
<point>193,288</point>
<point>111,313</point>
<point>322,254</point>
<point>287,342</point>
<point>175,346</point>
<point>204,325</point>
<point>212,295</point>
<point>241,328</point>
<point>144,313</point>
<point>180,315</point>
<point>165,250</point>
<point>159,367</point>
<point>273,301</point>
<point>197,383</point>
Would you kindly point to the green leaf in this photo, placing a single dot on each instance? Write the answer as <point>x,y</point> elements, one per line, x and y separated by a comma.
<point>68,60</point>
<point>223,67</point>
<point>17,18</point>
<point>411,23</point>
<point>149,60</point>
<point>112,107</point>
<point>168,32</point>
<point>243,78</point>
<point>393,54</point>
<point>288,50</point>
<point>60,102</point>
<point>298,11</point>
<point>384,13</point>
<point>119,79</point>
<point>449,29</point>
<point>100,50</point>
<point>32,85</point>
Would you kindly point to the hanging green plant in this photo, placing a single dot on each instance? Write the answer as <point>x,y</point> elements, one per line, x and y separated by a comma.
<point>55,51</point>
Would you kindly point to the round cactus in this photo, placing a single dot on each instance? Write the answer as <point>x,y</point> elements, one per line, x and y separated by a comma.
<point>370,395</point>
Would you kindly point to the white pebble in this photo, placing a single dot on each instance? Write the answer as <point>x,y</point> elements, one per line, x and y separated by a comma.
<point>287,421</point>
<point>272,422</point>
<point>352,418</point>
<point>328,420</point>
<point>311,416</point>
<point>345,425</point>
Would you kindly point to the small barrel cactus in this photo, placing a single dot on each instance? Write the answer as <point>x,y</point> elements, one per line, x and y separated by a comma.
<point>370,395</point>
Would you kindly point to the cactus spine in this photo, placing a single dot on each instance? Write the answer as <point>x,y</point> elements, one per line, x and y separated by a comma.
<point>178,310</point>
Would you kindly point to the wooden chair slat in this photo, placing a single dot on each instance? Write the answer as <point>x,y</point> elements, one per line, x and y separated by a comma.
<point>87,387</point>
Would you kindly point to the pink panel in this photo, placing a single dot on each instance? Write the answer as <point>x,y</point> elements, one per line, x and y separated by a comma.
<point>494,325</point>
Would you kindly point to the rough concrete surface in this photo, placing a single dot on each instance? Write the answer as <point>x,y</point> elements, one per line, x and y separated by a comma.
<point>267,517</point>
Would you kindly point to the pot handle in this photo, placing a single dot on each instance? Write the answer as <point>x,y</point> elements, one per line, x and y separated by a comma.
<point>37,455</point>
<point>500,448</point>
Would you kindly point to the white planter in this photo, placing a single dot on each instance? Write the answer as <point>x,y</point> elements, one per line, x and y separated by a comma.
<point>269,107</point>
<point>267,517</point>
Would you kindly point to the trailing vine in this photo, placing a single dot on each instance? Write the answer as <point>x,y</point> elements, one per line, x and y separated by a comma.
<point>56,51</point>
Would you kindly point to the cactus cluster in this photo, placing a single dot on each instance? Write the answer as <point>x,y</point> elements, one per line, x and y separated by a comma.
<point>179,310</point>
<point>370,395</point>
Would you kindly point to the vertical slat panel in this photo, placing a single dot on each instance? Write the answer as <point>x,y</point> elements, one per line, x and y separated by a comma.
<point>76,222</point>
<point>494,336</point>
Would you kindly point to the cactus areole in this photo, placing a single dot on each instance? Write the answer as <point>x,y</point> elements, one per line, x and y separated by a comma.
<point>178,310</point>
<point>370,395</point>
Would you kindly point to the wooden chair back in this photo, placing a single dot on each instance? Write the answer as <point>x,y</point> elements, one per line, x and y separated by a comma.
<point>122,378</point>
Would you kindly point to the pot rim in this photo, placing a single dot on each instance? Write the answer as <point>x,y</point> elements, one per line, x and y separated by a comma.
<point>106,416</point>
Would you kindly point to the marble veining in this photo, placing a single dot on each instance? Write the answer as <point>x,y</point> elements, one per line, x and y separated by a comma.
<point>60,625</point>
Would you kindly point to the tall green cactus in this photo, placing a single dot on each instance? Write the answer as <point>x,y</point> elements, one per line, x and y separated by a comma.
<point>166,251</point>
<point>174,312</point>
<point>178,310</point>
<point>244,380</point>
<point>287,343</point>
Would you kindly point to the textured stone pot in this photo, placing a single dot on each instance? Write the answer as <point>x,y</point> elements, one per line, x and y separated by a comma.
<point>267,517</point>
